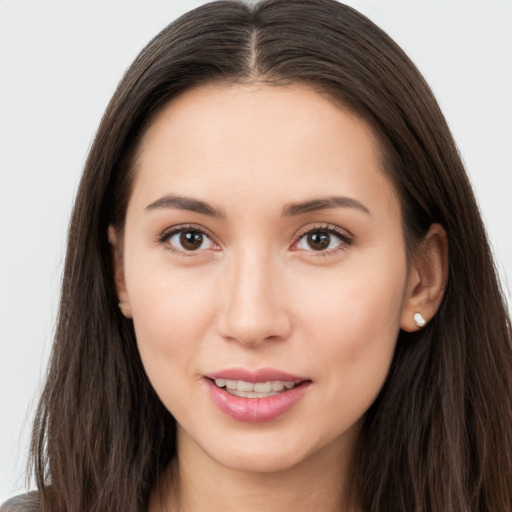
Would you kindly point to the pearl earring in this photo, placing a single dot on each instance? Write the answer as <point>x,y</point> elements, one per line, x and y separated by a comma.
<point>419,320</point>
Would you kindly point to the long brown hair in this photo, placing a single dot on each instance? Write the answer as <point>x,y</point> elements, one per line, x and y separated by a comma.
<point>439,435</point>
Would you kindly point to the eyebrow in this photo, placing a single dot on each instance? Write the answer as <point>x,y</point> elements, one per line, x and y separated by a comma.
<point>185,203</point>
<point>313,205</point>
<point>290,210</point>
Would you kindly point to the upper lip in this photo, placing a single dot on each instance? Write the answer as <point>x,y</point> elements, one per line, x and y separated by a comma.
<point>259,375</point>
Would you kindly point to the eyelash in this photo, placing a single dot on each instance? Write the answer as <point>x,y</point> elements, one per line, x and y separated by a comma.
<point>346,240</point>
<point>169,233</point>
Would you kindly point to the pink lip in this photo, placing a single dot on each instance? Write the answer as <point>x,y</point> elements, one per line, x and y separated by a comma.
<point>255,410</point>
<point>261,375</point>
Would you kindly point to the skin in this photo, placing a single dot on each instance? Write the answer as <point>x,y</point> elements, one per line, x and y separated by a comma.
<point>257,294</point>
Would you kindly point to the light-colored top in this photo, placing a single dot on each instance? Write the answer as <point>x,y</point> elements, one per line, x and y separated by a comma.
<point>23,503</point>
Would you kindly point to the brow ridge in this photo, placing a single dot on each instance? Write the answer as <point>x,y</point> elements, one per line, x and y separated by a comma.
<point>185,203</point>
<point>324,203</point>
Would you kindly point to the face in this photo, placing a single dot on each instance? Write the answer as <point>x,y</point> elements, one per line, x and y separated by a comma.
<point>262,251</point>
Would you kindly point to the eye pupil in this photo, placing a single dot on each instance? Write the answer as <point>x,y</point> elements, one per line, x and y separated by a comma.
<point>319,241</point>
<point>191,240</point>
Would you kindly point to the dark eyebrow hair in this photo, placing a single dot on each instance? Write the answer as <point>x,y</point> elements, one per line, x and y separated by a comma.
<point>290,210</point>
<point>323,204</point>
<point>185,203</point>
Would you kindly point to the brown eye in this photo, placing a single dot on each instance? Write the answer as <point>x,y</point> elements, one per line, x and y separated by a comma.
<point>191,240</point>
<point>323,240</point>
<point>318,241</point>
<point>188,240</point>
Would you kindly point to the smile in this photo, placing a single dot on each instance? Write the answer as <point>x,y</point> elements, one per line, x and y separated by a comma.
<point>246,389</point>
<point>255,396</point>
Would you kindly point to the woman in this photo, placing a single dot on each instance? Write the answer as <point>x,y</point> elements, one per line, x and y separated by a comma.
<point>278,290</point>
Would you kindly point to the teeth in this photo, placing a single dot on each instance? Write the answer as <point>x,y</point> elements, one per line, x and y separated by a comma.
<point>231,384</point>
<point>277,385</point>
<point>256,389</point>
<point>245,386</point>
<point>262,387</point>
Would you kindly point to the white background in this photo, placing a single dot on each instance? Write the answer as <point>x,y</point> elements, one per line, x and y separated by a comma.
<point>60,61</point>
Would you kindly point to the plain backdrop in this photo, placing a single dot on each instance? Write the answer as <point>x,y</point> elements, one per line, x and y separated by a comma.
<point>60,61</point>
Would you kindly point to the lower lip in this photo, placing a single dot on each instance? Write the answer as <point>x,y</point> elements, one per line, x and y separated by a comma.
<point>256,410</point>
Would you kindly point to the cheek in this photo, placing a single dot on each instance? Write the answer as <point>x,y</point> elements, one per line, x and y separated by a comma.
<point>171,314</point>
<point>169,328</point>
<point>354,316</point>
<point>355,337</point>
<point>355,298</point>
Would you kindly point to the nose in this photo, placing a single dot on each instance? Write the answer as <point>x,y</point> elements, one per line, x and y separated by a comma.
<point>254,305</point>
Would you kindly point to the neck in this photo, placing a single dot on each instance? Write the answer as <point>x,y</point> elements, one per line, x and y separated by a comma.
<point>196,483</point>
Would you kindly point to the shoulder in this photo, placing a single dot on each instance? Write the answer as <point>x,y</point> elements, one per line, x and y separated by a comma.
<point>23,503</point>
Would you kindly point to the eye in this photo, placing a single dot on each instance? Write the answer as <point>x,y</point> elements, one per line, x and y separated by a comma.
<point>188,240</point>
<point>323,240</point>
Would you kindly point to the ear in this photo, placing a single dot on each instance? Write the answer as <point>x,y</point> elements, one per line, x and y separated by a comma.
<point>427,279</point>
<point>124,303</point>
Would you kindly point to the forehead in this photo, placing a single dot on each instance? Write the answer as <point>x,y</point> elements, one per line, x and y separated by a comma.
<point>230,140</point>
<point>257,109</point>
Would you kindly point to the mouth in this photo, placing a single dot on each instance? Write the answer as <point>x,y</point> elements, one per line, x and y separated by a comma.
<point>255,396</point>
<point>246,389</point>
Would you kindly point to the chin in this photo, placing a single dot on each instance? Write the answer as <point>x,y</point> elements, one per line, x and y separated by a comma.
<point>268,452</point>
<point>259,461</point>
